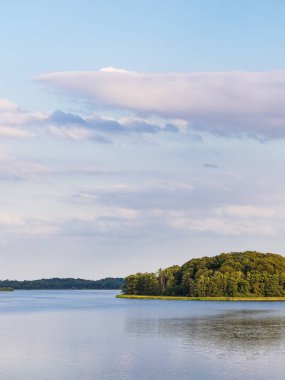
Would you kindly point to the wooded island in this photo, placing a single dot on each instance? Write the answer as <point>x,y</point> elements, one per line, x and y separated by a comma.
<point>237,274</point>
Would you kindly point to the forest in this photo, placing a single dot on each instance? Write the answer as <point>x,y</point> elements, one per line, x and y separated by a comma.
<point>64,283</point>
<point>235,274</point>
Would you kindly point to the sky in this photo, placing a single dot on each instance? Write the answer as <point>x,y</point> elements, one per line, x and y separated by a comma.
<point>136,135</point>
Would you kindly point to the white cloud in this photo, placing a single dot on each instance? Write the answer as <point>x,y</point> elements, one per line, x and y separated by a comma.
<point>12,115</point>
<point>14,225</point>
<point>228,103</point>
<point>16,122</point>
<point>6,105</point>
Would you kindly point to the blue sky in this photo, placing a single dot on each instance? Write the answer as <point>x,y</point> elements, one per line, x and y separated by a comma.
<point>139,134</point>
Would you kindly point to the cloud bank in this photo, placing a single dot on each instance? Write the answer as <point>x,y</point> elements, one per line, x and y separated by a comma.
<point>234,104</point>
<point>178,210</point>
<point>19,123</point>
<point>226,103</point>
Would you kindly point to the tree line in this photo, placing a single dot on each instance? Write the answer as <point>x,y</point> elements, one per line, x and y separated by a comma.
<point>64,283</point>
<point>236,274</point>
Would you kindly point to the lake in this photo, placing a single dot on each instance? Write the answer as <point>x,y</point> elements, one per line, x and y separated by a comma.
<point>71,335</point>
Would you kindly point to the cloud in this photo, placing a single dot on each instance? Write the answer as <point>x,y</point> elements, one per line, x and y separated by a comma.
<point>15,225</point>
<point>13,115</point>
<point>224,226</point>
<point>156,197</point>
<point>16,122</point>
<point>19,169</point>
<point>236,220</point>
<point>118,223</point>
<point>123,211</point>
<point>14,132</point>
<point>6,106</point>
<point>98,128</point>
<point>59,117</point>
<point>226,103</point>
<point>179,209</point>
<point>73,133</point>
<point>13,169</point>
<point>245,211</point>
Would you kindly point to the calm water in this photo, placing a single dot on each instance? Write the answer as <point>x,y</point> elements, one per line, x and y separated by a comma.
<point>70,335</point>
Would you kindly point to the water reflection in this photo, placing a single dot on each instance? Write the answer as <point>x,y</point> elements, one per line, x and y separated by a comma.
<point>233,330</point>
<point>92,335</point>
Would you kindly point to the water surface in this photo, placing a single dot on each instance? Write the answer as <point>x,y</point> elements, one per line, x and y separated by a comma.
<point>60,335</point>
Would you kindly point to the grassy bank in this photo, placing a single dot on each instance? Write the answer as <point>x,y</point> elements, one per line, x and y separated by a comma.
<point>263,299</point>
<point>6,290</point>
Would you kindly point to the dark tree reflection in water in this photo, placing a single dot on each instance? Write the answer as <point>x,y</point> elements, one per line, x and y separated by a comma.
<point>248,331</point>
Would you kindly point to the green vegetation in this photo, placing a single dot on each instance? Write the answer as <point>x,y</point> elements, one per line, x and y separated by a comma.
<point>237,274</point>
<point>168,298</point>
<point>64,283</point>
<point>6,289</point>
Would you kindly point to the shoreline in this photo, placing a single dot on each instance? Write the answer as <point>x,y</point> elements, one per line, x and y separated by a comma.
<point>233,299</point>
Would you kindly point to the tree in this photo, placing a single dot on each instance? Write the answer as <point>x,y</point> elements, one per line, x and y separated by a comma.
<point>234,274</point>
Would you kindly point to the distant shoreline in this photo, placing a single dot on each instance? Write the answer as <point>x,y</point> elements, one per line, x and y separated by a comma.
<point>56,283</point>
<point>53,289</point>
<point>172,298</point>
